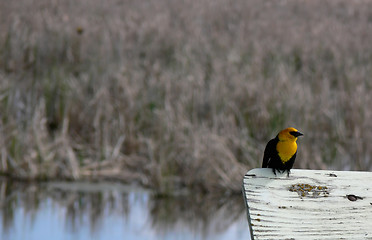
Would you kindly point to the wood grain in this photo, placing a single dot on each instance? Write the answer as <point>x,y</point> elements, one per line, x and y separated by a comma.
<point>309,204</point>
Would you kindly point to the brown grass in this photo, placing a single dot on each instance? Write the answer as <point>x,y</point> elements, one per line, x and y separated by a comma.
<point>182,93</point>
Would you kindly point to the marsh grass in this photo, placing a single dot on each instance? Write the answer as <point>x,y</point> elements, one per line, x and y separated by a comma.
<point>182,94</point>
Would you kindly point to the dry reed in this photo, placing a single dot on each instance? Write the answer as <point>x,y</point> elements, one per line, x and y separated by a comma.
<point>180,94</point>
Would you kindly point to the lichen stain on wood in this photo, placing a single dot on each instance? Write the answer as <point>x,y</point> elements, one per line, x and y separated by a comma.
<point>308,190</point>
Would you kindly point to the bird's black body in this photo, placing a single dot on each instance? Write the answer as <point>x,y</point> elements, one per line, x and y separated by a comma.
<point>272,160</point>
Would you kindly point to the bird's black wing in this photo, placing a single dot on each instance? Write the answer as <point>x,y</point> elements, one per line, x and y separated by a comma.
<point>270,151</point>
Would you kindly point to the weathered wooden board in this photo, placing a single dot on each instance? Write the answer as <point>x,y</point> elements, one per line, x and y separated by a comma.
<point>309,204</point>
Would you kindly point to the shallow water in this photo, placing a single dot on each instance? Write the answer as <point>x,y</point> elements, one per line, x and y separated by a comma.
<point>113,211</point>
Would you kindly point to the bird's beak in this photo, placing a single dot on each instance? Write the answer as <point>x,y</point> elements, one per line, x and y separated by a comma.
<point>297,134</point>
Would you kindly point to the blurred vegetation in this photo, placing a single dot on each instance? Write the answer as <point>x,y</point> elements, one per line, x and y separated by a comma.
<point>181,94</point>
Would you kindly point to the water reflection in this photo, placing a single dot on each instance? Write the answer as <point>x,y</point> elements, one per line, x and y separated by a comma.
<point>114,211</point>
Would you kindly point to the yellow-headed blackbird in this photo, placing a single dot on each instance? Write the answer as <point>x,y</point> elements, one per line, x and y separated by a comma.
<point>280,152</point>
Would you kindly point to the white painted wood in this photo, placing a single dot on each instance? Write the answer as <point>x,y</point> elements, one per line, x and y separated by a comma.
<point>309,204</point>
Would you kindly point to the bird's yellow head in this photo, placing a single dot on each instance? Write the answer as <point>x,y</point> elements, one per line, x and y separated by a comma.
<point>289,134</point>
